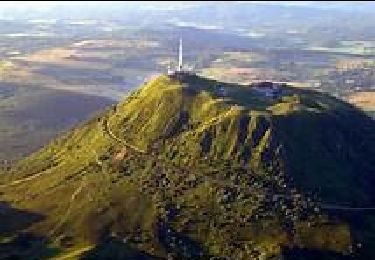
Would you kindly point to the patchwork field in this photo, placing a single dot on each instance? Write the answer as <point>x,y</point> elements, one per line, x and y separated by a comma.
<point>44,93</point>
<point>364,100</point>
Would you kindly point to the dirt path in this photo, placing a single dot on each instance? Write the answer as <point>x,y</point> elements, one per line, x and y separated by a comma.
<point>29,178</point>
<point>74,254</point>
<point>108,130</point>
<point>67,213</point>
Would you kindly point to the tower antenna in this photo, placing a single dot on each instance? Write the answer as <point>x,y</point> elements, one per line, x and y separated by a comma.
<point>180,57</point>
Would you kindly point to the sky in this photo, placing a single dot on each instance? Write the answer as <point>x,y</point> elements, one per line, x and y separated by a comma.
<point>45,5</point>
<point>55,3</point>
<point>153,3</point>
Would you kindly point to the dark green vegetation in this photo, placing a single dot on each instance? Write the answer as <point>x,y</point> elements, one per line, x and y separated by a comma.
<point>198,169</point>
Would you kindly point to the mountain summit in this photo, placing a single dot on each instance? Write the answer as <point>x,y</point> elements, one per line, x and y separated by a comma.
<point>192,168</point>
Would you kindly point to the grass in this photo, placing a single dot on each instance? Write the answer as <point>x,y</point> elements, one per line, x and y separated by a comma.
<point>211,167</point>
<point>73,254</point>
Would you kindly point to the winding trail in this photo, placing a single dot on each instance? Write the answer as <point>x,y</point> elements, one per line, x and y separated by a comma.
<point>31,177</point>
<point>28,178</point>
<point>67,213</point>
<point>74,254</point>
<point>108,130</point>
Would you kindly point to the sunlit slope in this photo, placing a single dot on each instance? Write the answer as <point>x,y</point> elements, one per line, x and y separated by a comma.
<point>325,142</point>
<point>197,168</point>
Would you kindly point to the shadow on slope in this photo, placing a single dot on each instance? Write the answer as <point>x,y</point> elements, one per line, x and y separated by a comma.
<point>16,244</point>
<point>330,153</point>
<point>112,248</point>
<point>178,244</point>
<point>13,220</point>
<point>311,254</point>
<point>27,246</point>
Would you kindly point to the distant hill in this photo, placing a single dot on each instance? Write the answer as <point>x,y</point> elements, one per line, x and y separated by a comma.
<point>32,116</point>
<point>193,169</point>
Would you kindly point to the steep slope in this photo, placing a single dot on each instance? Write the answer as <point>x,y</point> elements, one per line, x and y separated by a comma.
<point>194,168</point>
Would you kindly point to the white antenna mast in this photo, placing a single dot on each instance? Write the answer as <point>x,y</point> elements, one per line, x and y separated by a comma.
<point>180,57</point>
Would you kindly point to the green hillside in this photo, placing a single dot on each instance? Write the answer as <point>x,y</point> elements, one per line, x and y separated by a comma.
<point>197,169</point>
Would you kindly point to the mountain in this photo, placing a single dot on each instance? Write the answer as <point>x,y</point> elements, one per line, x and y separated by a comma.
<point>192,168</point>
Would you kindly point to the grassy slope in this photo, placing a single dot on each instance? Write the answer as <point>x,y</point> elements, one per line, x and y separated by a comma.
<point>216,160</point>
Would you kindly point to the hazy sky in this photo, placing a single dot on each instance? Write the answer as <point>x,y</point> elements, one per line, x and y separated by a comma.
<point>152,3</point>
<point>54,3</point>
<point>45,5</point>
